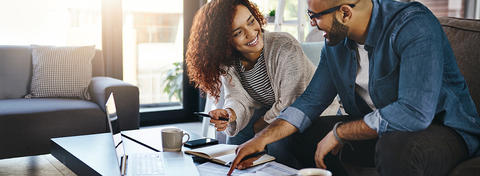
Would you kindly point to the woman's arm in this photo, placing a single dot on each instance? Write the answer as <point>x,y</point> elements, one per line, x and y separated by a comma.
<point>238,100</point>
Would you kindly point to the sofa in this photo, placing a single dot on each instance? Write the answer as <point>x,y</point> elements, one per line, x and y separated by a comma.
<point>26,125</point>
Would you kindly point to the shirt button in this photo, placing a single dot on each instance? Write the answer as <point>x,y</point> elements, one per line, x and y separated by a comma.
<point>351,86</point>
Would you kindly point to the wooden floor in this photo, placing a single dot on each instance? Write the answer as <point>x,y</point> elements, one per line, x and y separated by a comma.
<point>47,164</point>
<point>33,165</point>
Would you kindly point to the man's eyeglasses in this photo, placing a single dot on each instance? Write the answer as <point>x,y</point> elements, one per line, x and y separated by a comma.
<point>313,15</point>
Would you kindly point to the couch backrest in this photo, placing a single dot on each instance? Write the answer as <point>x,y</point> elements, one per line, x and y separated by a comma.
<point>464,37</point>
<point>16,70</point>
<point>313,51</point>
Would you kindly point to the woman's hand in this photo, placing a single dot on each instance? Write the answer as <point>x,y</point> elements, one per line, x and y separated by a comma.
<point>221,118</point>
<point>259,125</point>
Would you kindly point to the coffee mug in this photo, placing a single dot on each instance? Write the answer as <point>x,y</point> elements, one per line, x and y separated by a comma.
<point>172,139</point>
<point>314,171</point>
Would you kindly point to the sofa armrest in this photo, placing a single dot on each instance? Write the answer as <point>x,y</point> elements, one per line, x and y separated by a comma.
<point>126,99</point>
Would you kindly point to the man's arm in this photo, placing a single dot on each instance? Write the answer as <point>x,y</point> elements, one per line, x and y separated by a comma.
<point>420,47</point>
<point>356,130</point>
<point>277,130</point>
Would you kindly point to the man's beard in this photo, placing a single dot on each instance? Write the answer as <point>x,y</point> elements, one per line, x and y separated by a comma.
<point>338,32</point>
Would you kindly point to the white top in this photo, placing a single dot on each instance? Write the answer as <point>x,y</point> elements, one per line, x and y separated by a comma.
<point>361,82</point>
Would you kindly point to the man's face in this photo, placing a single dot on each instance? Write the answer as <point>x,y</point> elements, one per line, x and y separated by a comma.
<point>338,32</point>
<point>335,32</point>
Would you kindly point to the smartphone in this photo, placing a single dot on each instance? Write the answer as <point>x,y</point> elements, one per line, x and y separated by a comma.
<point>200,142</point>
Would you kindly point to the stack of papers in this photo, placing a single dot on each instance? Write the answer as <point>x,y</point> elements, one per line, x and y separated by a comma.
<point>267,169</point>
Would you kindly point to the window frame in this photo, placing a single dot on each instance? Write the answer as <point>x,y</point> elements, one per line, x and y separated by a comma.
<point>112,18</point>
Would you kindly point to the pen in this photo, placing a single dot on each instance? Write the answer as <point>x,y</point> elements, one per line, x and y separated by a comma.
<point>206,115</point>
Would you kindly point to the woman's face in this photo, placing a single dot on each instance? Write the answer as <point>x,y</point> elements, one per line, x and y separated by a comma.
<point>246,32</point>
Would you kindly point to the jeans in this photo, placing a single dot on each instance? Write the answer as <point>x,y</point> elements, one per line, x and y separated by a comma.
<point>433,151</point>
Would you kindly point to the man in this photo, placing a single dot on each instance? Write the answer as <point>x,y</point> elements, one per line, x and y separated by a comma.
<point>410,111</point>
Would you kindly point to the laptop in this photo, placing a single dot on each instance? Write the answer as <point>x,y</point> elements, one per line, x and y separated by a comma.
<point>153,163</point>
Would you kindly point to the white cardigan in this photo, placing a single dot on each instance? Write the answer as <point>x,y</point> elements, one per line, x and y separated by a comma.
<point>289,70</point>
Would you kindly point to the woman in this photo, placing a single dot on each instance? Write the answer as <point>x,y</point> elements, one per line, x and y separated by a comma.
<point>262,72</point>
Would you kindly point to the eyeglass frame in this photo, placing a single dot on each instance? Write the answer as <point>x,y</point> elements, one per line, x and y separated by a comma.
<point>330,10</point>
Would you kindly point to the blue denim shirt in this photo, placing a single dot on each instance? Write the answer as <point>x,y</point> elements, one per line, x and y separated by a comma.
<point>413,77</point>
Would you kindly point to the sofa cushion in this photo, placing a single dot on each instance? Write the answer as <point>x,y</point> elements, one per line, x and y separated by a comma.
<point>45,105</point>
<point>15,71</point>
<point>61,71</point>
<point>313,51</point>
<point>28,124</point>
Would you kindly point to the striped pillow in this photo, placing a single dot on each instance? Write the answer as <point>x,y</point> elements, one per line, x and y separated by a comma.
<point>61,71</point>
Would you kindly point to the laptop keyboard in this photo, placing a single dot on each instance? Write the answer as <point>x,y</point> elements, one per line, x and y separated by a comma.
<point>147,164</point>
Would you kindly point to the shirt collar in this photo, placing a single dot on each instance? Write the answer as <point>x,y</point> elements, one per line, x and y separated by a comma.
<point>375,25</point>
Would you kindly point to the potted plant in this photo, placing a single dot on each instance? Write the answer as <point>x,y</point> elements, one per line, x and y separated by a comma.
<point>271,16</point>
<point>173,81</point>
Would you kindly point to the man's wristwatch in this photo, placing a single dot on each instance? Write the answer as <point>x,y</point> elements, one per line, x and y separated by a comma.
<point>340,140</point>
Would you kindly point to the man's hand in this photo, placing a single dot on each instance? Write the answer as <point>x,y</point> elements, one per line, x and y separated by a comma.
<point>252,146</point>
<point>327,144</point>
<point>354,130</point>
<point>216,114</point>
<point>277,130</point>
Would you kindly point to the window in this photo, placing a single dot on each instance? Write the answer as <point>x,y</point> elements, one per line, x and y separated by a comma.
<point>51,22</point>
<point>153,50</point>
<point>443,8</point>
<point>289,16</point>
<point>454,8</point>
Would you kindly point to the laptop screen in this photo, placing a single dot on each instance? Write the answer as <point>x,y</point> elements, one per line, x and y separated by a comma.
<point>113,126</point>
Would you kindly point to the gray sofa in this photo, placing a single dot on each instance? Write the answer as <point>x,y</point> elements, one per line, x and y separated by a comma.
<point>26,125</point>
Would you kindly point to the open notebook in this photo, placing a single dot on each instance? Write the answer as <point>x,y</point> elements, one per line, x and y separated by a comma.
<point>224,154</point>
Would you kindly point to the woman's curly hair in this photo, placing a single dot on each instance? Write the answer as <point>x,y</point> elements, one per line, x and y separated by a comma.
<point>210,51</point>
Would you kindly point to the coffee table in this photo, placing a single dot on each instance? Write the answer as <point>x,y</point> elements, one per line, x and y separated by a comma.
<point>93,155</point>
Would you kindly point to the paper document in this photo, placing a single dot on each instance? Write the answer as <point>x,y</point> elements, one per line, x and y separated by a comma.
<point>268,169</point>
<point>274,169</point>
<point>213,169</point>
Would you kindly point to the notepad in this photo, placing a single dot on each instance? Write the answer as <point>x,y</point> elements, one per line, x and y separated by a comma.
<point>224,154</point>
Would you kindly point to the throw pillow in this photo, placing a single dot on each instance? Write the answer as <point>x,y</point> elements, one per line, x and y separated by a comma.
<point>61,71</point>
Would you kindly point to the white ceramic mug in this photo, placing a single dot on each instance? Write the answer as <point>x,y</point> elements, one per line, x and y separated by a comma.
<point>314,171</point>
<point>172,139</point>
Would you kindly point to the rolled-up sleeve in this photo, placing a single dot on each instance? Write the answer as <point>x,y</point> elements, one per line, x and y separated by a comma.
<point>295,117</point>
<point>375,121</point>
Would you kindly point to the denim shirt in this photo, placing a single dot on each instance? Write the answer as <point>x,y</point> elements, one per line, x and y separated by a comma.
<point>413,77</point>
